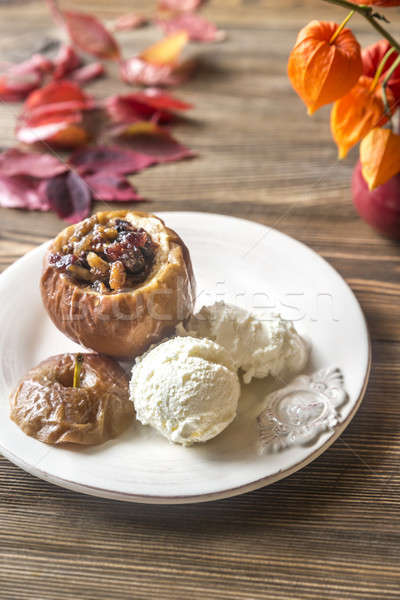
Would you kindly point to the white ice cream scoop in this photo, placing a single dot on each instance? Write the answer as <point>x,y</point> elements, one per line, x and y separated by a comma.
<point>186,388</point>
<point>259,346</point>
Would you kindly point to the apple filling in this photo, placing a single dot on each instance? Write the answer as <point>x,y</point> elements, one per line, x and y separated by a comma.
<point>107,257</point>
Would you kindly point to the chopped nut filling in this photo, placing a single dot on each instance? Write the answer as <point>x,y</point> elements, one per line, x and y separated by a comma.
<point>107,258</point>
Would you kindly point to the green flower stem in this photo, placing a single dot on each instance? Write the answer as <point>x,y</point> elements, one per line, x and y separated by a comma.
<point>385,82</point>
<point>368,13</point>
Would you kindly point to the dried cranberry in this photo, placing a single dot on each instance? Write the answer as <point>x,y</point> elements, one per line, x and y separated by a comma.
<point>62,262</point>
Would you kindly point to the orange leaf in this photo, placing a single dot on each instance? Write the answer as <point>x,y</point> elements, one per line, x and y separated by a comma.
<point>354,115</point>
<point>167,51</point>
<point>380,156</point>
<point>320,71</point>
<point>90,36</point>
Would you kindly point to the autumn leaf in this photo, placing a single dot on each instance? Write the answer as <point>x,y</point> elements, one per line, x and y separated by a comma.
<point>167,51</point>
<point>321,71</point>
<point>197,27</point>
<point>109,187</point>
<point>372,57</point>
<point>380,156</point>
<point>69,196</point>
<point>114,160</point>
<point>130,21</point>
<point>180,5</point>
<point>57,92</point>
<point>19,80</point>
<point>23,191</point>
<point>15,162</point>
<point>88,73</point>
<point>354,115</point>
<point>151,104</point>
<point>66,61</point>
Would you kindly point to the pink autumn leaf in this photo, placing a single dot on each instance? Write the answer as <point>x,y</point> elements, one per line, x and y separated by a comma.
<point>22,191</point>
<point>198,28</point>
<point>114,160</point>
<point>90,35</point>
<point>69,196</point>
<point>88,72</point>
<point>17,81</point>
<point>137,71</point>
<point>30,131</point>
<point>130,21</point>
<point>111,188</point>
<point>67,60</point>
<point>180,5</point>
<point>15,162</point>
<point>150,104</point>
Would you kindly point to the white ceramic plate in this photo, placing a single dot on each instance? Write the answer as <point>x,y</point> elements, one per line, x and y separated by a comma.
<point>234,260</point>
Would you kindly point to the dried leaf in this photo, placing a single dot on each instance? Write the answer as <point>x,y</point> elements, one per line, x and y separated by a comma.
<point>322,72</point>
<point>90,35</point>
<point>380,156</point>
<point>54,92</point>
<point>373,55</point>
<point>15,162</point>
<point>136,71</point>
<point>150,104</point>
<point>69,196</point>
<point>167,51</point>
<point>111,188</point>
<point>88,72</point>
<point>354,115</point>
<point>114,160</point>
<point>198,28</point>
<point>22,191</point>
<point>17,81</point>
<point>130,21</point>
<point>180,5</point>
<point>147,139</point>
<point>66,61</point>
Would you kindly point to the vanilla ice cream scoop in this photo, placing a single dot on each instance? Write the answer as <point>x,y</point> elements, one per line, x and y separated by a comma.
<point>186,388</point>
<point>260,347</point>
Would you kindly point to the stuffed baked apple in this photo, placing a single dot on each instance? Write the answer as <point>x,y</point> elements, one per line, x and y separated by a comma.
<point>118,282</point>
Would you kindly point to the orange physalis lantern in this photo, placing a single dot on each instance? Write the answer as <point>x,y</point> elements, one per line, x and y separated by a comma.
<point>386,3</point>
<point>380,156</point>
<point>322,67</point>
<point>354,115</point>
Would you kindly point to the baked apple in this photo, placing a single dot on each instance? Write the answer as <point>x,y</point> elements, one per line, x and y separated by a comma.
<point>118,282</point>
<point>48,407</point>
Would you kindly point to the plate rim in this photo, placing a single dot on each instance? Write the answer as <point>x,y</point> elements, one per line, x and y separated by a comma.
<point>208,496</point>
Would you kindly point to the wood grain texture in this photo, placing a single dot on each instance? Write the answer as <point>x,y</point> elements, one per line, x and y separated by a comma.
<point>330,531</point>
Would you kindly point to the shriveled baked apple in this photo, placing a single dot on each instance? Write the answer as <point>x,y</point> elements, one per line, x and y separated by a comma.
<point>48,407</point>
<point>118,282</point>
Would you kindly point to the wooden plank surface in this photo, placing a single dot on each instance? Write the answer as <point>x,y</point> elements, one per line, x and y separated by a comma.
<point>329,531</point>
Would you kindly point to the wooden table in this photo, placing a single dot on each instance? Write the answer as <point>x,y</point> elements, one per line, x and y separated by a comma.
<point>332,529</point>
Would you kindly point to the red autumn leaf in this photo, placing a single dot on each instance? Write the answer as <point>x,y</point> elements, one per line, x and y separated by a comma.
<point>69,196</point>
<point>22,191</point>
<point>111,188</point>
<point>147,139</point>
<point>15,162</point>
<point>181,5</point>
<point>88,72</point>
<point>90,35</point>
<point>66,61</point>
<point>114,160</point>
<point>371,58</point>
<point>149,104</point>
<point>17,81</point>
<point>130,21</point>
<point>54,114</point>
<point>55,92</point>
<point>198,28</point>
